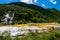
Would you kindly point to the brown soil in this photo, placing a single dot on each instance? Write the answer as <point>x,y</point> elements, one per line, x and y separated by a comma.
<point>57,38</point>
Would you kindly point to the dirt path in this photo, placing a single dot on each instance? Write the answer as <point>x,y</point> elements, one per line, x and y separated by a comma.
<point>57,38</point>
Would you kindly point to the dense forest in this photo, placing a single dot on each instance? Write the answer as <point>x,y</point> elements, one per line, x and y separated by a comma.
<point>29,13</point>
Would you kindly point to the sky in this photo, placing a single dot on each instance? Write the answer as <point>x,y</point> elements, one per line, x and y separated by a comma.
<point>42,3</point>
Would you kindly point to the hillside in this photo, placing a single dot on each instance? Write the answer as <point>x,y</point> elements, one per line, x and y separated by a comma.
<point>29,13</point>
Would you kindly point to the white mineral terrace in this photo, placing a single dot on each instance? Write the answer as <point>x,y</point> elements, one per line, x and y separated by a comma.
<point>14,31</point>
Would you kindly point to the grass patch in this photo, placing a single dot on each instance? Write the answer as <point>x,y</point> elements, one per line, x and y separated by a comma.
<point>51,35</point>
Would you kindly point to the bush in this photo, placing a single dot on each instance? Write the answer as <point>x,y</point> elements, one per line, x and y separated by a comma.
<point>51,35</point>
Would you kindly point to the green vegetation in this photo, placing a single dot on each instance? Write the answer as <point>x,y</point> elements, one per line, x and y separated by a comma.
<point>51,35</point>
<point>29,13</point>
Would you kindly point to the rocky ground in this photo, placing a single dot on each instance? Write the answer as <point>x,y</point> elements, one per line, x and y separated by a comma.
<point>14,31</point>
<point>24,29</point>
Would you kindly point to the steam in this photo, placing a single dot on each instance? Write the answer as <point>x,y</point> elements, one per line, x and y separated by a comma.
<point>7,18</point>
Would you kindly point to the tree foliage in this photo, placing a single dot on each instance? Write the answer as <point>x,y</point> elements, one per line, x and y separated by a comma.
<point>27,13</point>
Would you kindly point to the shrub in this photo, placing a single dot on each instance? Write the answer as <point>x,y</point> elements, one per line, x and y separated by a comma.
<point>51,35</point>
